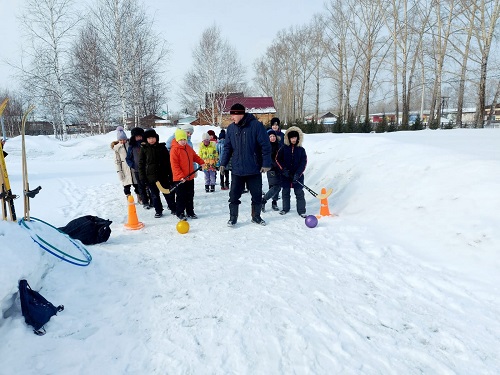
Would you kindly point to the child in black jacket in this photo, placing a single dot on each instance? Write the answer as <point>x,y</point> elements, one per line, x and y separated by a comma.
<point>154,165</point>
<point>292,160</point>
<point>273,175</point>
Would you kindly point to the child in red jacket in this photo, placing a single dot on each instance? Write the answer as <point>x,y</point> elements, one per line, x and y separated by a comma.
<point>182,157</point>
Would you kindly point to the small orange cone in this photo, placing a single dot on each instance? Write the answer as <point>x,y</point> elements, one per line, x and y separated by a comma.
<point>133,221</point>
<point>324,210</point>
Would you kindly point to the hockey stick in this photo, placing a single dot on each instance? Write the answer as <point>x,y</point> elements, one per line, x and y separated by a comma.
<point>168,191</point>
<point>316,195</point>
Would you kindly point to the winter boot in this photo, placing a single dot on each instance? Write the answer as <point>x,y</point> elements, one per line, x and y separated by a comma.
<point>275,206</point>
<point>256,208</point>
<point>233,215</point>
<point>207,187</point>
<point>212,188</point>
<point>264,205</point>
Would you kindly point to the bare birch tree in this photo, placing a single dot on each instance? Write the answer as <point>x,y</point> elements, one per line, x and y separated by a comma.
<point>462,50</point>
<point>290,73</point>
<point>445,13</point>
<point>146,53</point>
<point>133,53</point>
<point>13,113</point>
<point>487,17</point>
<point>216,72</point>
<point>49,25</point>
<point>406,23</point>
<point>365,29</point>
<point>343,55</point>
<point>269,76</point>
<point>311,57</point>
<point>93,94</point>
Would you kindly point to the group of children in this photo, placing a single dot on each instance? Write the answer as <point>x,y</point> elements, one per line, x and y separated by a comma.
<point>144,162</point>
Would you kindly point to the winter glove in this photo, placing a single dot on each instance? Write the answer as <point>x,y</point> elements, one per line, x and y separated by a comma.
<point>221,169</point>
<point>286,173</point>
<point>296,177</point>
<point>264,169</point>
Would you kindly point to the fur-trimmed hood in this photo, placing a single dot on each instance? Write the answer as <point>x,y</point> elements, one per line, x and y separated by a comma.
<point>113,144</point>
<point>299,131</point>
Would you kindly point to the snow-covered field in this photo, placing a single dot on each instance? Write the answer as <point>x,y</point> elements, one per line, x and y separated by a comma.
<point>404,280</point>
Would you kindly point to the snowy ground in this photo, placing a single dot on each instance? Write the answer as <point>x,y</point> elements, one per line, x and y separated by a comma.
<point>403,281</point>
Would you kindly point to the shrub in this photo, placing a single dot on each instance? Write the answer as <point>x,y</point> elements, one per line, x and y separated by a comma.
<point>392,127</point>
<point>434,124</point>
<point>417,125</point>
<point>365,127</point>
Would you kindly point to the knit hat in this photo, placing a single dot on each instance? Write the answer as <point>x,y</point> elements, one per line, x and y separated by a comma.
<point>271,132</point>
<point>205,137</point>
<point>186,127</point>
<point>292,134</point>
<point>222,134</point>
<point>237,109</point>
<point>137,131</point>
<point>120,134</point>
<point>275,120</point>
<point>150,133</point>
<point>180,134</point>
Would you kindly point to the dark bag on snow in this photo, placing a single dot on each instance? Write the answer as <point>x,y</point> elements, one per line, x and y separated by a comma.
<point>35,308</point>
<point>88,229</point>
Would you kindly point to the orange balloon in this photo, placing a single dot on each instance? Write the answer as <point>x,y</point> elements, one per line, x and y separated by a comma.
<point>182,227</point>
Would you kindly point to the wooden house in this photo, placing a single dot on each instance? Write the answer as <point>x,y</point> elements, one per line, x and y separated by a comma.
<point>261,107</point>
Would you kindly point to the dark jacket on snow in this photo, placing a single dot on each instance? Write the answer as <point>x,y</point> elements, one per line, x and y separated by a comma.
<point>292,159</point>
<point>274,175</point>
<point>247,145</point>
<point>154,164</point>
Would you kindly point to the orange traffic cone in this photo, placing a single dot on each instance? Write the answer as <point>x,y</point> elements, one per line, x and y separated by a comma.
<point>133,222</point>
<point>324,210</point>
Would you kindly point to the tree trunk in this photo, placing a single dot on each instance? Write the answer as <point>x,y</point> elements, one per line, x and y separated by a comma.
<point>480,108</point>
<point>491,116</point>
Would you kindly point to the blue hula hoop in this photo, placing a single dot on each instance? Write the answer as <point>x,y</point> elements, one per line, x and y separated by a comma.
<point>54,250</point>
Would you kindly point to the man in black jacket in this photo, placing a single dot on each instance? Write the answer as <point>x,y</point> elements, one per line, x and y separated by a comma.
<point>247,145</point>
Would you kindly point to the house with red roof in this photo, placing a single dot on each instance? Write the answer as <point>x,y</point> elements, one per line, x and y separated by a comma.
<point>261,107</point>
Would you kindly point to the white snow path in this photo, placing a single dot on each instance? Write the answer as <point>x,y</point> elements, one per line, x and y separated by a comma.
<point>200,303</point>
